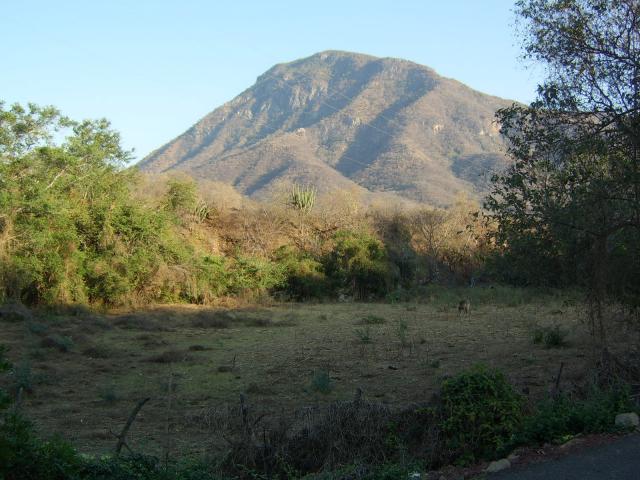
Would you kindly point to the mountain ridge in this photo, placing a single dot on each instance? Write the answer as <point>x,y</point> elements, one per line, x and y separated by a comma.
<point>344,120</point>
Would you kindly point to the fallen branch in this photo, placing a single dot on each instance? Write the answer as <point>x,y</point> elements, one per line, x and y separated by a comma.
<point>556,388</point>
<point>123,434</point>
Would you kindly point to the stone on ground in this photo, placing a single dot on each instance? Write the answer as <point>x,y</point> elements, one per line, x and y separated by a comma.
<point>627,420</point>
<point>498,465</point>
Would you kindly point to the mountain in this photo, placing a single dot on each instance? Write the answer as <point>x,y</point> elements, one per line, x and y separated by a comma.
<point>346,120</point>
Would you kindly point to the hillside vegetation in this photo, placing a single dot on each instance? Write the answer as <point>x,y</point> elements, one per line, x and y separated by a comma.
<point>78,227</point>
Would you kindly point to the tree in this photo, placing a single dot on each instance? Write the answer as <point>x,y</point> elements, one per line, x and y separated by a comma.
<point>570,202</point>
<point>69,230</point>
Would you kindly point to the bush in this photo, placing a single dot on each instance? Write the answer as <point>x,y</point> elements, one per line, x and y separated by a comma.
<point>304,278</point>
<point>253,274</point>
<point>24,456</point>
<point>363,335</point>
<point>109,394</point>
<point>555,419</point>
<point>22,377</point>
<point>321,382</point>
<point>480,413</point>
<point>358,265</point>
<point>551,337</point>
<point>181,196</point>
<point>59,342</point>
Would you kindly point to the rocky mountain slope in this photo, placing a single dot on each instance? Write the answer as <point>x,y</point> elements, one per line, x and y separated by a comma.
<point>349,121</point>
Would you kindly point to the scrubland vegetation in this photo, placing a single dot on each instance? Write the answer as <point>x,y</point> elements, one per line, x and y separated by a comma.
<point>314,335</point>
<point>79,228</point>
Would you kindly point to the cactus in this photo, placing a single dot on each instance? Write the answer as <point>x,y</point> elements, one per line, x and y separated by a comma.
<point>302,198</point>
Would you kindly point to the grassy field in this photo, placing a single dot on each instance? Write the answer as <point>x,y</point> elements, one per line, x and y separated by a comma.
<point>84,372</point>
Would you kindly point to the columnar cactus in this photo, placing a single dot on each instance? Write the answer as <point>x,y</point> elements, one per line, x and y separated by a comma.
<point>302,198</point>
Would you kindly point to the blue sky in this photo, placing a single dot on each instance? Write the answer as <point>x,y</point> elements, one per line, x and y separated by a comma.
<point>155,67</point>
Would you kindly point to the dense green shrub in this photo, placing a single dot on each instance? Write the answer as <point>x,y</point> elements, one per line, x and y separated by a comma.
<point>181,195</point>
<point>24,456</point>
<point>480,413</point>
<point>305,278</point>
<point>72,231</point>
<point>254,274</point>
<point>555,419</point>
<point>358,265</point>
<point>550,337</point>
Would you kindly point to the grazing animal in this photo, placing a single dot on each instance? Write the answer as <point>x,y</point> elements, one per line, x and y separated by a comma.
<point>464,307</point>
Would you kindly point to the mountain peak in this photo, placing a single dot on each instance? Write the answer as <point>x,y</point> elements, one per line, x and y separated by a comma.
<point>346,120</point>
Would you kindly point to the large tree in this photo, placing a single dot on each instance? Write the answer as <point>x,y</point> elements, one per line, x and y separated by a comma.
<point>569,207</point>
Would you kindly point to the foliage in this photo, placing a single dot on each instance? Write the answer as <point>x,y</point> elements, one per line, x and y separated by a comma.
<point>254,274</point>
<point>395,231</point>
<point>480,413</point>
<point>23,455</point>
<point>77,226</point>
<point>453,241</point>
<point>321,382</point>
<point>357,264</point>
<point>550,337</point>
<point>22,377</point>
<point>305,278</point>
<point>109,394</point>
<point>181,195</point>
<point>142,467</point>
<point>71,230</point>
<point>363,335</point>
<point>568,205</point>
<point>479,416</point>
<point>556,418</point>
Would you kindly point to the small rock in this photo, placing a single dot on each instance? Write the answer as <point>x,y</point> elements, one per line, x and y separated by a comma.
<point>513,458</point>
<point>498,465</point>
<point>415,476</point>
<point>571,443</point>
<point>627,420</point>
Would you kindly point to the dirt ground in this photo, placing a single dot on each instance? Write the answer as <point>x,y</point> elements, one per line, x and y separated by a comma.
<point>195,362</point>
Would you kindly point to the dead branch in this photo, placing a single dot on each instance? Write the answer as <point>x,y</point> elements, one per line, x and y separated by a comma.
<point>123,434</point>
<point>556,387</point>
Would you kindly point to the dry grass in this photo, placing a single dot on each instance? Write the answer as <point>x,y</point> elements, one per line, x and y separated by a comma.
<point>275,367</point>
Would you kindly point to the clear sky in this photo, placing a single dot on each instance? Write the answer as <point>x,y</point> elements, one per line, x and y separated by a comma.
<point>155,67</point>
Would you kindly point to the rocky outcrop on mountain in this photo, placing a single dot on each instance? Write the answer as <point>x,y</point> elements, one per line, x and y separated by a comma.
<point>349,121</point>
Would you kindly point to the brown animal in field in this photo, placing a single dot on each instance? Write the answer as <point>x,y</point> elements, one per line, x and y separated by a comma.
<point>464,307</point>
